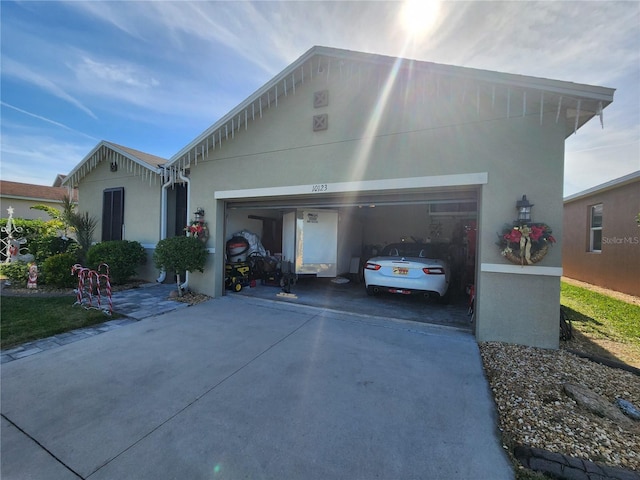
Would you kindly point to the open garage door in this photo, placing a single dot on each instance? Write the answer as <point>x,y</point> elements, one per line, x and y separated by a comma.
<point>445,217</point>
<point>366,223</point>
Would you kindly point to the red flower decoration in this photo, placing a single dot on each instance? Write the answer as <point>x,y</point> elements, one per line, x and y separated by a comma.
<point>536,232</point>
<point>513,236</point>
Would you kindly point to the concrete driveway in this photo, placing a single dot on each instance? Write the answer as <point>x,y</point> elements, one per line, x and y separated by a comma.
<point>242,387</point>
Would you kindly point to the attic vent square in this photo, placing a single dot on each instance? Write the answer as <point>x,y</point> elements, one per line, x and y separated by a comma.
<point>321,99</point>
<point>320,122</point>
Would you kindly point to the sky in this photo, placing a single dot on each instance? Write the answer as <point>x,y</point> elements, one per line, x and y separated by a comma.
<point>153,75</point>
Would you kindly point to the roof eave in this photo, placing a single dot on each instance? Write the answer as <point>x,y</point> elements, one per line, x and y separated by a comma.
<point>603,187</point>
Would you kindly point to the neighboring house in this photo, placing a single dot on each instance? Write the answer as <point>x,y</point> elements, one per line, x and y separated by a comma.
<point>59,179</point>
<point>23,196</point>
<point>602,237</point>
<point>377,149</point>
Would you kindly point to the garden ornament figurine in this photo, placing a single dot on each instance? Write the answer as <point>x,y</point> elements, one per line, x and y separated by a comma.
<point>13,243</point>
<point>32,282</point>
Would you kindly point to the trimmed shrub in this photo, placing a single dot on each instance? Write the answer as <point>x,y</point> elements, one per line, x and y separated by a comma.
<point>16,272</point>
<point>46,246</point>
<point>177,254</point>
<point>57,270</point>
<point>122,256</point>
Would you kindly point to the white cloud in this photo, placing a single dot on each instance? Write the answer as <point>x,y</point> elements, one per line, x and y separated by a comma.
<point>117,74</point>
<point>594,156</point>
<point>168,63</point>
<point>37,158</point>
<point>45,119</point>
<point>12,68</point>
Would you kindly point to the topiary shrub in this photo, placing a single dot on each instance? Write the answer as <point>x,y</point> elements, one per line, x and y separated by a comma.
<point>16,272</point>
<point>122,256</point>
<point>56,270</point>
<point>45,246</point>
<point>179,254</point>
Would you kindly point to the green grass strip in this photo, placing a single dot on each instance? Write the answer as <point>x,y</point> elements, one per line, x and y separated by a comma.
<point>600,315</point>
<point>31,318</point>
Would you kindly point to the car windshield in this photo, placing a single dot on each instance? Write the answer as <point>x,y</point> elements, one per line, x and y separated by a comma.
<point>410,250</point>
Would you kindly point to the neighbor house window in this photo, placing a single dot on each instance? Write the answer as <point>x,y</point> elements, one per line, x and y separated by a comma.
<point>112,214</point>
<point>595,234</point>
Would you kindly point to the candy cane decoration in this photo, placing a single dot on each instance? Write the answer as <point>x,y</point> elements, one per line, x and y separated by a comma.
<point>84,296</point>
<point>108,287</point>
<point>90,290</point>
<point>82,275</point>
<point>95,274</point>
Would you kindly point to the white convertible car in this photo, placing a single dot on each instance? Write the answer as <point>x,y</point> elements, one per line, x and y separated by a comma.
<point>408,268</point>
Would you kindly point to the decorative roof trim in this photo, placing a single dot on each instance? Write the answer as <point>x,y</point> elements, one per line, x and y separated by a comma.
<point>578,102</point>
<point>118,155</point>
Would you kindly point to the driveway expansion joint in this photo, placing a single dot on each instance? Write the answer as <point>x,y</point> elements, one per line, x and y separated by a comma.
<point>202,395</point>
<point>45,449</point>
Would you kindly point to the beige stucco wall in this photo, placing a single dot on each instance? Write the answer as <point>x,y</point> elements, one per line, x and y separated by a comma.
<point>426,136</point>
<point>22,208</point>
<point>142,199</point>
<point>528,160</point>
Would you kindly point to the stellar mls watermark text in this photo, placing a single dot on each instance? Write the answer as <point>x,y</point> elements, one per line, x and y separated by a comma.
<point>621,240</point>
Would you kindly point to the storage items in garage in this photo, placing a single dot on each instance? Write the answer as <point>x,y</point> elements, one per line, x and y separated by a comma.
<point>236,275</point>
<point>237,248</point>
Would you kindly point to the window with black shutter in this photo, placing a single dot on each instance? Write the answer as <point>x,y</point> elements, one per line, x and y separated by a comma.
<point>112,214</point>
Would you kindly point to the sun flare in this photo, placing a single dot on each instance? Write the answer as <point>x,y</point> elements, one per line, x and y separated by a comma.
<point>418,17</point>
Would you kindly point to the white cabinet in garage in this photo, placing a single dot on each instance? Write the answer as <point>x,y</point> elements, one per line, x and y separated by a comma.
<point>310,241</point>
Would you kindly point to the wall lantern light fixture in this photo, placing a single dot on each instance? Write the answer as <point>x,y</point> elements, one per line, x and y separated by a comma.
<point>524,210</point>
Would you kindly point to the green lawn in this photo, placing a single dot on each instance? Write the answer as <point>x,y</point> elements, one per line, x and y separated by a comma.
<point>30,318</point>
<point>601,316</point>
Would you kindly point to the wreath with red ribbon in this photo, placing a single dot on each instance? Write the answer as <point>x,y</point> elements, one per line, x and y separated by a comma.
<point>525,244</point>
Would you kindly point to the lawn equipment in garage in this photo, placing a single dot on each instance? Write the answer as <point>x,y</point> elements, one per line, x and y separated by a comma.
<point>236,276</point>
<point>236,270</point>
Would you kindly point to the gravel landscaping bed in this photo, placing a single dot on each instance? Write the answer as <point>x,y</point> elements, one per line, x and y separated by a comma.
<point>529,389</point>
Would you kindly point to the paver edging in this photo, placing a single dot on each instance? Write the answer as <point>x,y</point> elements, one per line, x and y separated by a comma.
<point>564,467</point>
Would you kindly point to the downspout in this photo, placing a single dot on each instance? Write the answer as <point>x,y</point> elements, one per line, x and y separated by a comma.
<point>186,180</point>
<point>163,220</point>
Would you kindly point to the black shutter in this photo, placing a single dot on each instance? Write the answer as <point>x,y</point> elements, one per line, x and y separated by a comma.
<point>112,214</point>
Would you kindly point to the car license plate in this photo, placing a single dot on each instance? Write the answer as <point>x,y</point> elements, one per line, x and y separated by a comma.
<point>400,271</point>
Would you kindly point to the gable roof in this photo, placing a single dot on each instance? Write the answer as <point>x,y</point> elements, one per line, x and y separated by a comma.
<point>603,187</point>
<point>578,102</point>
<point>38,193</point>
<point>59,179</point>
<point>138,163</point>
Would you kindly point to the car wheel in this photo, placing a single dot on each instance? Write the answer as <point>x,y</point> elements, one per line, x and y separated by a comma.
<point>371,291</point>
